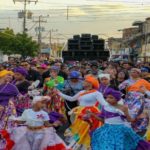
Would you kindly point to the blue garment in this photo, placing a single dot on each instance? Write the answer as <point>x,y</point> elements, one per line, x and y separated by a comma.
<point>114,137</point>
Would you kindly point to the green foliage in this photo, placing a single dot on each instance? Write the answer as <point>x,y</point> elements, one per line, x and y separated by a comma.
<point>19,43</point>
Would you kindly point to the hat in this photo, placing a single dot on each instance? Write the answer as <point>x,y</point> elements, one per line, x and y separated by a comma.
<point>145,69</point>
<point>91,79</point>
<point>74,75</point>
<point>5,72</point>
<point>21,70</point>
<point>115,94</point>
<point>38,99</point>
<point>104,76</point>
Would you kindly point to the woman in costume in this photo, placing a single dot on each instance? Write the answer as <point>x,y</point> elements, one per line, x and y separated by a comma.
<point>135,100</point>
<point>8,92</point>
<point>20,80</point>
<point>38,133</point>
<point>55,106</point>
<point>116,134</point>
<point>23,101</point>
<point>79,132</point>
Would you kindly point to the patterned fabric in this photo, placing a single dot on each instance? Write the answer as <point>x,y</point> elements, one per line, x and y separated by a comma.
<point>135,103</point>
<point>56,103</point>
<point>114,137</point>
<point>5,112</point>
<point>79,131</point>
<point>44,139</point>
<point>22,102</point>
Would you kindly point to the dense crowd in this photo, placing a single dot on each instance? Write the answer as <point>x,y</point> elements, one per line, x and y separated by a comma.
<point>96,105</point>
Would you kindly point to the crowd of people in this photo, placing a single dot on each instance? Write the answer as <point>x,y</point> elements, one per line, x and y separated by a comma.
<point>97,105</point>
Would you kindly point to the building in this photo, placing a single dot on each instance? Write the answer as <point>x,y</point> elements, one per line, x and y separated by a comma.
<point>115,45</point>
<point>128,32</point>
<point>137,39</point>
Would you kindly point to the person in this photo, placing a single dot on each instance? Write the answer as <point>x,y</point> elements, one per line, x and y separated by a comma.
<point>94,68</point>
<point>105,86</point>
<point>71,87</point>
<point>8,92</point>
<point>20,80</point>
<point>38,134</point>
<point>135,99</point>
<point>115,134</point>
<point>63,71</point>
<point>23,100</point>
<point>56,104</point>
<point>54,79</point>
<point>33,76</point>
<point>121,77</point>
<point>88,99</point>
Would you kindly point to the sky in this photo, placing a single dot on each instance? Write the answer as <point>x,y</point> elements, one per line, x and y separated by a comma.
<point>68,17</point>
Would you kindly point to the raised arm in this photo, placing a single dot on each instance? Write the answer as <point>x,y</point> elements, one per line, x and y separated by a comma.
<point>101,99</point>
<point>69,98</point>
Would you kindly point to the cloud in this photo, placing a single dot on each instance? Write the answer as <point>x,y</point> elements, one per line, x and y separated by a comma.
<point>76,11</point>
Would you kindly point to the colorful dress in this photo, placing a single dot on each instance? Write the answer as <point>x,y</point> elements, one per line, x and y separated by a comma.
<point>56,103</point>
<point>78,135</point>
<point>116,134</point>
<point>136,103</point>
<point>7,108</point>
<point>23,100</point>
<point>42,138</point>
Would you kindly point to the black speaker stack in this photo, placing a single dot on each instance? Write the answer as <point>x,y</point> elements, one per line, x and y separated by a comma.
<point>86,46</point>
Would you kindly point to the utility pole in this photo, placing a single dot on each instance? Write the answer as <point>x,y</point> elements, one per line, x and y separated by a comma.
<point>39,29</point>
<point>24,18</point>
<point>25,12</point>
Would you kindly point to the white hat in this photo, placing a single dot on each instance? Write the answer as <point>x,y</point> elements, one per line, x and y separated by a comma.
<point>104,75</point>
<point>39,98</point>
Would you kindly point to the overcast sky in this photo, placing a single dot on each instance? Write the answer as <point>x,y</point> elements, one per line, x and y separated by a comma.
<point>102,17</point>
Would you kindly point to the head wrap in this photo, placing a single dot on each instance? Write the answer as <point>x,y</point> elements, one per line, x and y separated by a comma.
<point>91,79</point>
<point>74,75</point>
<point>38,99</point>
<point>136,69</point>
<point>104,76</point>
<point>5,72</point>
<point>21,70</point>
<point>115,94</point>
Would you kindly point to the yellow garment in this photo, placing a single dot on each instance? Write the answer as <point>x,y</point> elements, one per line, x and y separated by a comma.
<point>148,135</point>
<point>5,72</point>
<point>81,127</point>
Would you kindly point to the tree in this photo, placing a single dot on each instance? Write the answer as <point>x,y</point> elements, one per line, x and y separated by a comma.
<point>6,40</point>
<point>22,44</point>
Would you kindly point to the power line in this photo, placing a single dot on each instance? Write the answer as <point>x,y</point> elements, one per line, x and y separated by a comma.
<point>39,29</point>
<point>25,11</point>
